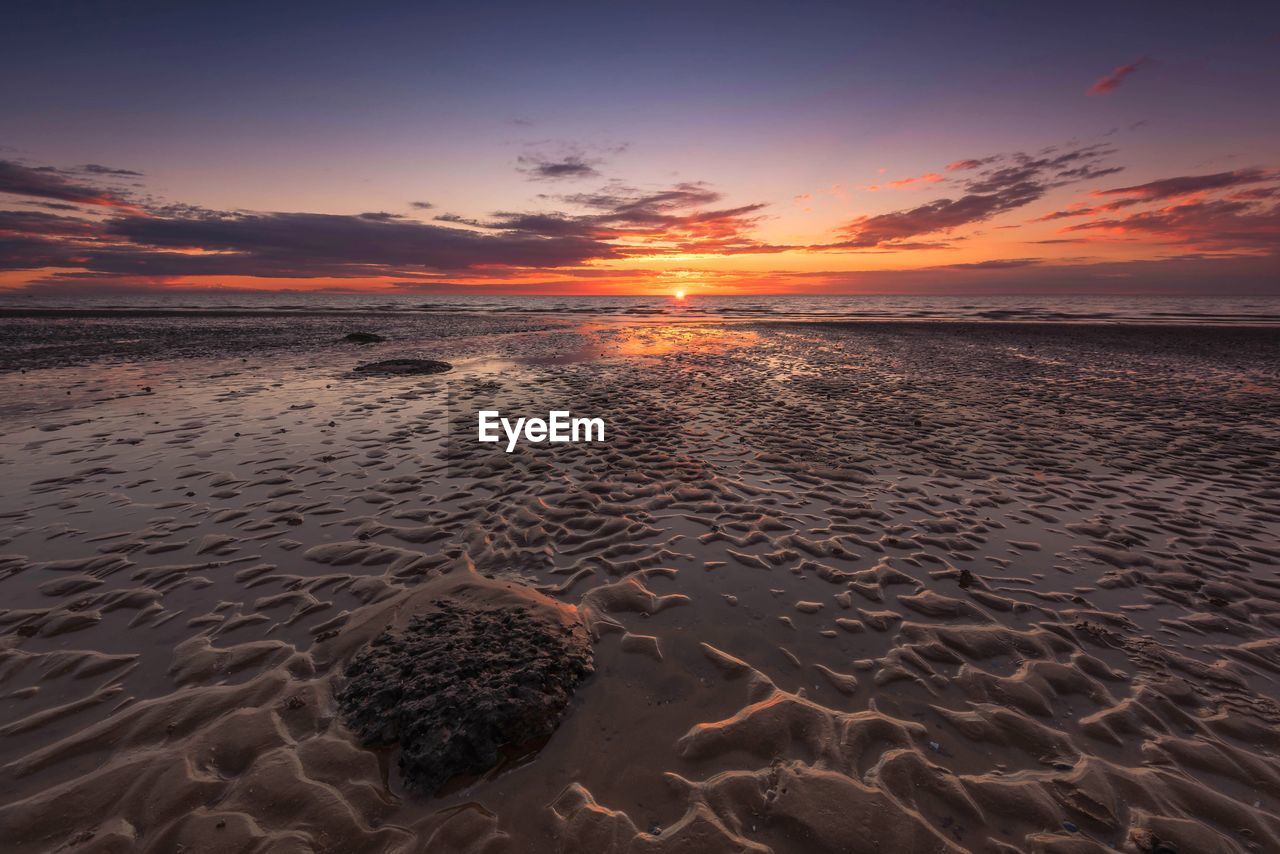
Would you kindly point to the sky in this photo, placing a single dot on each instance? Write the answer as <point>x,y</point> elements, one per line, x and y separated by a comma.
<point>640,148</point>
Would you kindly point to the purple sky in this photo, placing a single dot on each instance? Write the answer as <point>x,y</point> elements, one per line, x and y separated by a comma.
<point>641,148</point>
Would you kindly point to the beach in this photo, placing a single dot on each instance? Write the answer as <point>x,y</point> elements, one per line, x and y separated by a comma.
<point>844,585</point>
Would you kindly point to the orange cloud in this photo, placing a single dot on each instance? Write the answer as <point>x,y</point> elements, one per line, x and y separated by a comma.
<point>1112,81</point>
<point>926,178</point>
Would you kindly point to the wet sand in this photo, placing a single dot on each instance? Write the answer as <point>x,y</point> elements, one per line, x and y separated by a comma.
<point>886,587</point>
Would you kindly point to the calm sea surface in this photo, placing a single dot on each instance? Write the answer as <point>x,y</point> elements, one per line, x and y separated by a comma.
<point>1260,310</point>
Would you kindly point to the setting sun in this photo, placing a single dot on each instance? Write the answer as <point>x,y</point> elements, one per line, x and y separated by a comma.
<point>679,294</point>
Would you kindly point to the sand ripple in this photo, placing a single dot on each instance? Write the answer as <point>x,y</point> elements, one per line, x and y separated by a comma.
<point>895,587</point>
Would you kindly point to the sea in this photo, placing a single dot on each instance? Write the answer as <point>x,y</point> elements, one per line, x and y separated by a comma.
<point>1218,310</point>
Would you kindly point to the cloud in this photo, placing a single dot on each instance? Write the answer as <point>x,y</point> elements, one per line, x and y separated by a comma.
<point>97,169</point>
<point>46,182</point>
<point>1112,81</point>
<point>639,206</point>
<point>1184,273</point>
<point>173,241</point>
<point>561,161</point>
<point>1066,214</point>
<point>995,264</point>
<point>35,223</point>
<point>1184,185</point>
<point>290,245</point>
<point>557,245</point>
<point>53,206</point>
<point>1003,183</point>
<point>330,244</point>
<point>674,220</point>
<point>937,216</point>
<point>926,178</point>
<point>545,224</point>
<point>1089,171</point>
<point>1209,225</point>
<point>678,217</point>
<point>962,165</point>
<point>1207,212</point>
<point>572,166</point>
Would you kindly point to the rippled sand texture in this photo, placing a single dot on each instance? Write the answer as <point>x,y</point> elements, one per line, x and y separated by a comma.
<point>895,588</point>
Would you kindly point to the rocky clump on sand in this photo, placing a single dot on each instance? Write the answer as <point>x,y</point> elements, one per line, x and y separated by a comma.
<point>456,685</point>
<point>405,367</point>
<point>363,338</point>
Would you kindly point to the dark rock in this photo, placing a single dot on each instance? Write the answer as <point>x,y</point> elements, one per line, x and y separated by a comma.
<point>406,367</point>
<point>456,685</point>
<point>363,338</point>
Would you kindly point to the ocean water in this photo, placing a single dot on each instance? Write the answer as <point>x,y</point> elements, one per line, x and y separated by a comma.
<point>1254,310</point>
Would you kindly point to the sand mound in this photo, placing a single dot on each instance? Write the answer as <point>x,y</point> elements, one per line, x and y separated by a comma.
<point>456,685</point>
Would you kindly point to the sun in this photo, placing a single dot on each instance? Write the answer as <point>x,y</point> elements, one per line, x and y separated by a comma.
<point>679,294</point>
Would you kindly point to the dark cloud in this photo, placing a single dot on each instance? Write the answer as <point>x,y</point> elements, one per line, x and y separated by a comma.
<point>1003,183</point>
<point>1184,273</point>
<point>1187,212</point>
<point>1256,194</point>
<point>1089,171</point>
<point>97,169</point>
<point>37,224</point>
<point>421,206</point>
<point>938,216</point>
<point>644,222</point>
<point>962,165</point>
<point>53,206</point>
<point>77,284</point>
<point>46,182</point>
<point>573,166</point>
<point>1217,225</point>
<point>173,241</point>
<point>996,264</point>
<point>275,245</point>
<point>1167,188</point>
<point>639,206</point>
<point>1050,168</point>
<point>304,242</point>
<point>561,161</point>
<point>1112,81</point>
<point>1066,214</point>
<point>545,224</point>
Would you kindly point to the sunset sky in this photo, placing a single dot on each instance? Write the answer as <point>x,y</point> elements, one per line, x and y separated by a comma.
<point>641,147</point>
